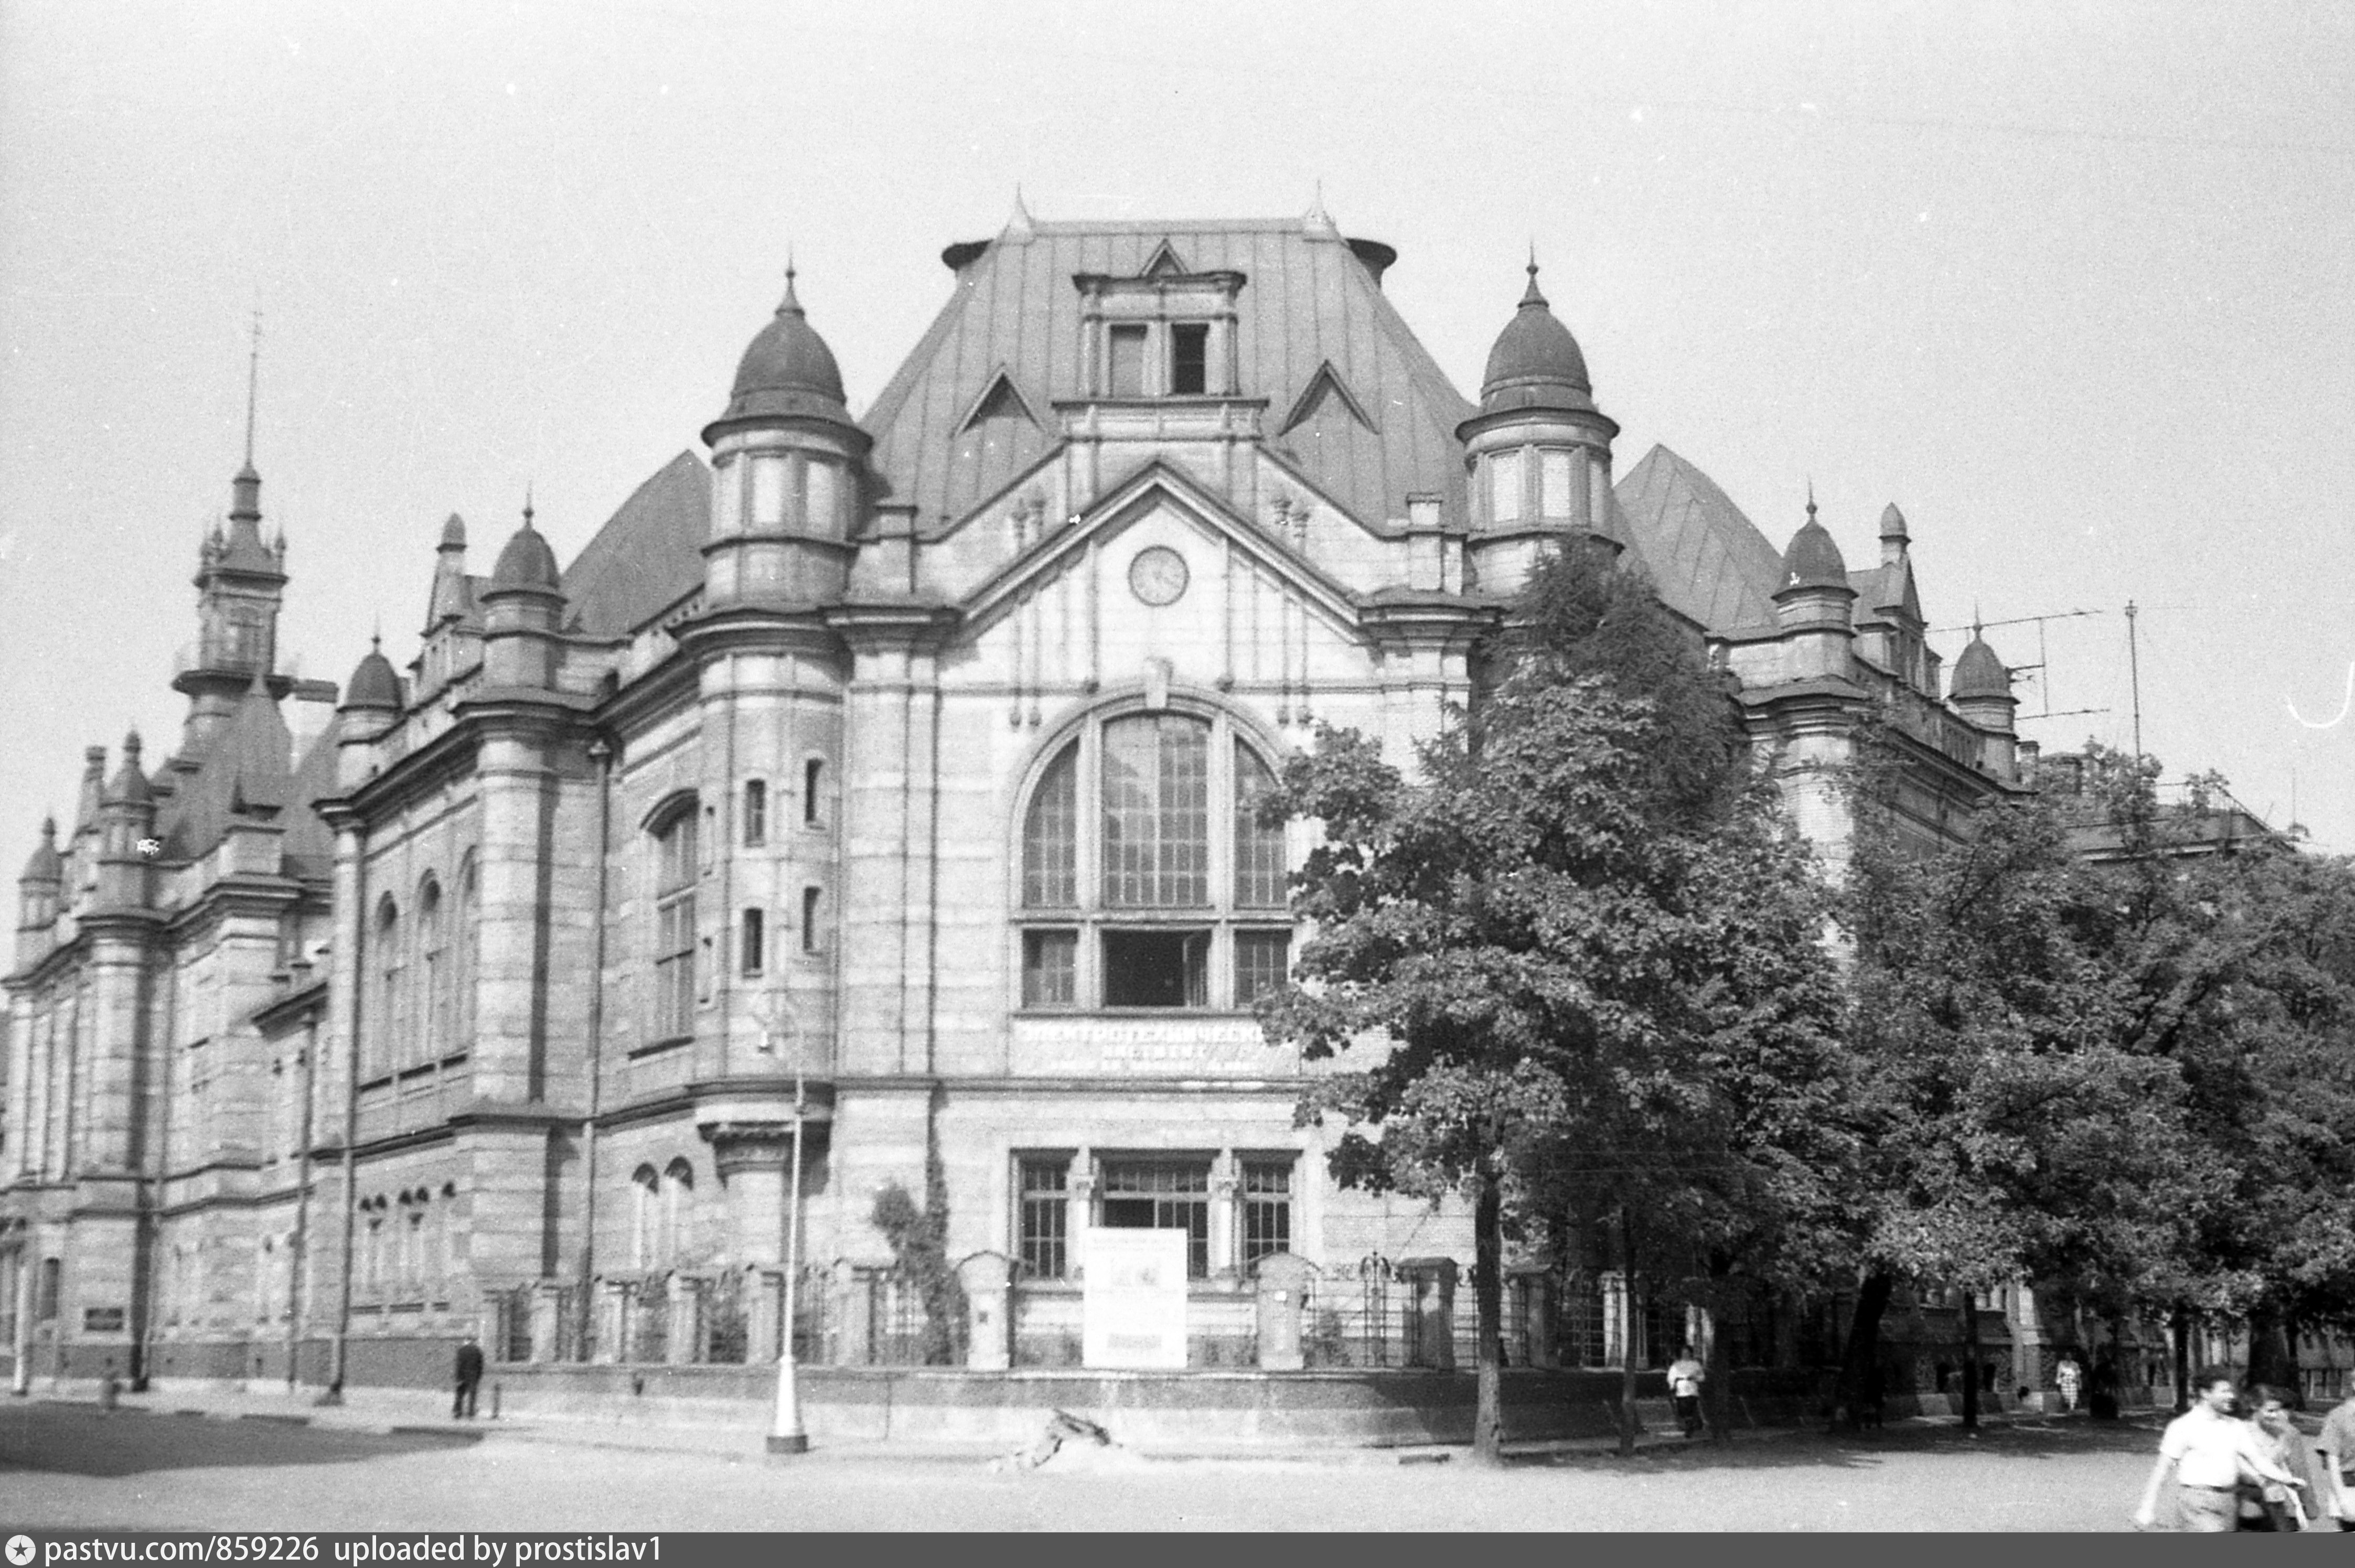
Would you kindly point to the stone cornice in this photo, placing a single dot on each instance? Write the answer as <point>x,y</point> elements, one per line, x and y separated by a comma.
<point>756,627</point>
<point>894,623</point>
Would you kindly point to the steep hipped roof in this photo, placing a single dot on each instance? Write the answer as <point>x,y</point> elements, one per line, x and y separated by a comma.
<point>1712,563</point>
<point>1308,299</point>
<point>250,762</point>
<point>647,557</point>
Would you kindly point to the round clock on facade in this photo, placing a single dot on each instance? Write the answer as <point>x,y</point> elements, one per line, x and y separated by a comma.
<point>1157,575</point>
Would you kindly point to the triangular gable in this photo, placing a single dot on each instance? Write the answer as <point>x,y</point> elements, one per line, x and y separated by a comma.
<point>1325,383</point>
<point>1001,399</point>
<point>1165,262</point>
<point>1157,480</point>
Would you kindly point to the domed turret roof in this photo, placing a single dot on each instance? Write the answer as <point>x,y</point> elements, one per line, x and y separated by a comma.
<point>787,371</point>
<point>373,682</point>
<point>1892,522</point>
<point>454,533</point>
<point>1813,560</point>
<point>1978,673</point>
<point>527,562</point>
<point>129,784</point>
<point>46,865</point>
<point>1536,363</point>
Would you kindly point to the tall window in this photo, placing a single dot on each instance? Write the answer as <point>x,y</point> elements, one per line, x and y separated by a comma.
<point>754,944</point>
<point>393,996</point>
<point>434,976</point>
<point>678,1212</point>
<point>756,813</point>
<point>1126,379</point>
<point>814,794</point>
<point>1168,893</point>
<point>1043,1226</point>
<point>812,917</point>
<point>674,873</point>
<point>468,925</point>
<point>1162,1194</point>
<point>644,1201</point>
<point>1267,1209</point>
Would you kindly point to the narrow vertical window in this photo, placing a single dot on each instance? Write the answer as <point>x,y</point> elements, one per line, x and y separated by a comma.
<point>752,958</point>
<point>1125,362</point>
<point>1554,484</point>
<point>393,996</point>
<point>462,976</point>
<point>1050,837</point>
<point>1050,968</point>
<point>812,938</point>
<point>1189,357</point>
<point>1505,486</point>
<point>434,982</point>
<point>643,1187</point>
<point>1044,1222</point>
<point>768,493</point>
<point>1267,1209</point>
<point>1262,959</point>
<point>1259,849</point>
<point>728,497</point>
<point>678,1212</point>
<point>756,813</point>
<point>814,794</point>
<point>674,954</point>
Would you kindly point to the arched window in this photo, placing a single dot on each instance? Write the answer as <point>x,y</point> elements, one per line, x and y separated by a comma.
<point>814,792</point>
<point>643,1214</point>
<point>1165,891</point>
<point>467,930</point>
<point>676,866</point>
<point>678,1212</point>
<point>393,996</point>
<point>433,976</point>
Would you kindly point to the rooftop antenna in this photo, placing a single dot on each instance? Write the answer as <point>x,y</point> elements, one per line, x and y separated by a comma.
<point>2044,658</point>
<point>2134,672</point>
<point>252,384</point>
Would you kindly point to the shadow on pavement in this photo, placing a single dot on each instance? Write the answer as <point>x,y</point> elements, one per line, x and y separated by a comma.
<point>1861,1450</point>
<point>129,1443</point>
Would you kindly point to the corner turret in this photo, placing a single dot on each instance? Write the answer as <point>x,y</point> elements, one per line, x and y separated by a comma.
<point>1538,451</point>
<point>522,612</point>
<point>1982,694</point>
<point>1814,606</point>
<point>38,897</point>
<point>126,833</point>
<point>372,704</point>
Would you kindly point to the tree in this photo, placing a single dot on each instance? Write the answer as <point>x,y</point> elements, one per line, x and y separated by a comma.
<point>1580,950</point>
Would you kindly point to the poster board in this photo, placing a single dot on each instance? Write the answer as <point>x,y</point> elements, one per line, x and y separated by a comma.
<point>1133,1298</point>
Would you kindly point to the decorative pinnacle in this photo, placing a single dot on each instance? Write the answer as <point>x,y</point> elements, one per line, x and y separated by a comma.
<point>792,304</point>
<point>527,506</point>
<point>1811,498</point>
<point>253,385</point>
<point>1531,296</point>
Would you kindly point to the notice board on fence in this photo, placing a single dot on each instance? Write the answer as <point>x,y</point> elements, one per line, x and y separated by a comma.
<point>1133,1298</point>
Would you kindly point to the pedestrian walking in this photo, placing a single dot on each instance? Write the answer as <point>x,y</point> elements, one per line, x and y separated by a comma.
<point>2338,1446</point>
<point>2065,1377</point>
<point>2208,1451</point>
<point>1685,1376</point>
<point>469,1378</point>
<point>2268,1505</point>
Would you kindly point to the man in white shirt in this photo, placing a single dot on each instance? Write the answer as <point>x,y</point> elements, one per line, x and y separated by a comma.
<point>2210,1452</point>
<point>1685,1375</point>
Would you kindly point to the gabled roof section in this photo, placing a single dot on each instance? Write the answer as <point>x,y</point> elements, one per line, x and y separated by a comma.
<point>1000,399</point>
<point>647,557</point>
<point>1325,384</point>
<point>1884,588</point>
<point>1311,301</point>
<point>1712,563</point>
<point>1165,262</point>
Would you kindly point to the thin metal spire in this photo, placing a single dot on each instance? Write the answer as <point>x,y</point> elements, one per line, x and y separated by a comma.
<point>252,384</point>
<point>526,505</point>
<point>1811,498</point>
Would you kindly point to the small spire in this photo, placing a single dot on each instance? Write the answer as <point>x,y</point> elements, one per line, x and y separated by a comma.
<point>1531,296</point>
<point>792,304</point>
<point>252,387</point>
<point>1020,224</point>
<point>1811,498</point>
<point>49,824</point>
<point>1977,626</point>
<point>527,484</point>
<point>131,743</point>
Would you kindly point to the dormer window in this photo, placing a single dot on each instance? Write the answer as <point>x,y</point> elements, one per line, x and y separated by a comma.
<point>1168,332</point>
<point>1189,359</point>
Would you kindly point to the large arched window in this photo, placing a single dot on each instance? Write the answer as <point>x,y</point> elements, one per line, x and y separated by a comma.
<point>467,935</point>
<point>676,866</point>
<point>433,975</point>
<point>392,996</point>
<point>1147,878</point>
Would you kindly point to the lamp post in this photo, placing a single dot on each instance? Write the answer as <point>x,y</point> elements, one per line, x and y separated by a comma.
<point>785,1433</point>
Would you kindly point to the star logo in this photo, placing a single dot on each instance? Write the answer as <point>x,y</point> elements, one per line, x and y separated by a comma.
<point>20,1550</point>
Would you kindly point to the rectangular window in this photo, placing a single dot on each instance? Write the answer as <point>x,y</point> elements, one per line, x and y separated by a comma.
<point>1050,961</point>
<point>1125,362</point>
<point>1505,486</point>
<point>821,510</point>
<point>46,1292</point>
<point>1162,1195</point>
<point>756,813</point>
<point>1156,968</point>
<point>1554,483</point>
<point>1042,1244</point>
<point>1261,960</point>
<point>754,945</point>
<point>768,493</point>
<point>1157,812</point>
<point>728,495</point>
<point>812,938</point>
<point>675,968</point>
<point>812,781</point>
<point>1267,1209</point>
<point>1189,359</point>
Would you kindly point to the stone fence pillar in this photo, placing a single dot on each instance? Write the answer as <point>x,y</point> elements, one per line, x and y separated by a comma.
<point>1282,1298</point>
<point>1431,1309</point>
<point>988,1281</point>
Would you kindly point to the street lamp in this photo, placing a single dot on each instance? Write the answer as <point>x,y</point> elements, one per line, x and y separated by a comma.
<point>785,1433</point>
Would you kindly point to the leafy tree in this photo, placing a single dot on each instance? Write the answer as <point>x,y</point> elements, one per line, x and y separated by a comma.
<point>1579,953</point>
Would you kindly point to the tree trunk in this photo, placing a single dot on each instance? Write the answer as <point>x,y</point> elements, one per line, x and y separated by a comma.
<point>2181,1327</point>
<point>1863,1351</point>
<point>1717,1388</point>
<point>1488,1293</point>
<point>2273,1359</point>
<point>1970,1362</point>
<point>1627,1332</point>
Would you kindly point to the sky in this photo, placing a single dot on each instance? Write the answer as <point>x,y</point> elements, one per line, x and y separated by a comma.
<point>2072,283</point>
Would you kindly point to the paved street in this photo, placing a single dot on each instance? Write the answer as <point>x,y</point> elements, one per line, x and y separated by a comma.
<point>68,1466</point>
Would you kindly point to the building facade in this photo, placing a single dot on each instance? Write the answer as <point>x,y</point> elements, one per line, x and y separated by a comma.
<point>879,790</point>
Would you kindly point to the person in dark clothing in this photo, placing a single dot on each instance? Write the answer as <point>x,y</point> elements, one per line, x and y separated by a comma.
<point>469,1378</point>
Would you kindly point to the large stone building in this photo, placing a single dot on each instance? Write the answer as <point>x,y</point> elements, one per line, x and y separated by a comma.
<point>905,763</point>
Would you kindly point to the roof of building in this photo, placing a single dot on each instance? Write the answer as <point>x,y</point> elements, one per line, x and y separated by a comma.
<point>647,557</point>
<point>787,369</point>
<point>374,682</point>
<point>1309,301</point>
<point>45,864</point>
<point>526,561</point>
<point>1979,673</point>
<point>1711,563</point>
<point>128,782</point>
<point>1535,363</point>
<point>1883,588</point>
<point>1813,560</point>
